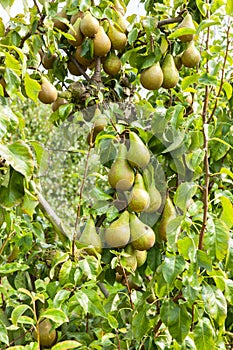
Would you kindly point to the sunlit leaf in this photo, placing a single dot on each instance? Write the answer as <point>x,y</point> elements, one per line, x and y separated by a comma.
<point>66,345</point>
<point>204,335</point>
<point>55,314</point>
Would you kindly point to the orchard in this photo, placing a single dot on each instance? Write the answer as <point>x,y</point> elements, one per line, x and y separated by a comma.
<point>116,202</point>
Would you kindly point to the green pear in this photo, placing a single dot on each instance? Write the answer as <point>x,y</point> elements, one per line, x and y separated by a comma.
<point>178,62</point>
<point>77,15</point>
<point>121,175</point>
<point>141,256</point>
<point>139,198</point>
<point>152,78</point>
<point>118,39</point>
<point>154,194</point>
<point>170,72</point>
<point>169,213</point>
<point>59,102</point>
<point>47,335</point>
<point>89,25</point>
<point>76,33</point>
<point>100,123</point>
<point>48,92</point>
<point>191,56</point>
<point>117,235</point>
<point>102,43</point>
<point>186,23</point>
<point>121,21</point>
<point>112,64</point>
<point>138,154</point>
<point>142,235</point>
<point>59,24</point>
<point>90,238</point>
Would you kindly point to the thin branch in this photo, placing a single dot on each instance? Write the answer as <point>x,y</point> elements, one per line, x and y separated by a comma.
<point>169,21</point>
<point>103,289</point>
<point>126,283</point>
<point>38,9</point>
<point>78,66</point>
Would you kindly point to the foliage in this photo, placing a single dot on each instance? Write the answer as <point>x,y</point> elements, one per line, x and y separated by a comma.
<point>182,296</point>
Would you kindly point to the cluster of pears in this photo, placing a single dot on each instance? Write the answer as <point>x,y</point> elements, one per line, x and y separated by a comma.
<point>167,74</point>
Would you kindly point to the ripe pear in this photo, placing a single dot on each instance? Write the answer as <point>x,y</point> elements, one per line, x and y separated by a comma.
<point>121,21</point>
<point>129,261</point>
<point>152,78</point>
<point>59,24</point>
<point>154,194</point>
<point>139,198</point>
<point>142,235</point>
<point>178,62</point>
<point>118,39</point>
<point>47,335</point>
<point>118,233</point>
<point>112,64</point>
<point>186,23</point>
<point>102,43</point>
<point>73,69</point>
<point>59,102</point>
<point>89,25</point>
<point>81,59</point>
<point>138,154</point>
<point>121,175</point>
<point>141,256</point>
<point>169,213</point>
<point>48,60</point>
<point>48,92</point>
<point>76,33</point>
<point>90,238</point>
<point>170,72</point>
<point>77,15</point>
<point>191,56</point>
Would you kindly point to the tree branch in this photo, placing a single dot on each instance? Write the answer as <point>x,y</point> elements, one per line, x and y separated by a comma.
<point>97,75</point>
<point>169,21</point>
<point>75,62</point>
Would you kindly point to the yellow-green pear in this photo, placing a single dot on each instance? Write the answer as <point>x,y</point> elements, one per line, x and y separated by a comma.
<point>118,39</point>
<point>121,21</point>
<point>138,154</point>
<point>48,92</point>
<point>89,25</point>
<point>59,102</point>
<point>81,59</point>
<point>121,175</point>
<point>112,64</point>
<point>139,198</point>
<point>191,56</point>
<point>59,24</point>
<point>90,238</point>
<point>170,72</point>
<point>154,194</point>
<point>102,43</point>
<point>48,60</point>
<point>76,33</point>
<point>141,256</point>
<point>186,23</point>
<point>142,235</point>
<point>47,335</point>
<point>117,235</point>
<point>152,78</point>
<point>169,213</point>
<point>178,62</point>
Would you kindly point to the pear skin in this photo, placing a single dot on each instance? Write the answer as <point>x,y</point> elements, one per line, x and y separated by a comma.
<point>121,175</point>
<point>90,238</point>
<point>73,69</point>
<point>59,24</point>
<point>47,335</point>
<point>48,92</point>
<point>76,33</point>
<point>154,194</point>
<point>118,39</point>
<point>138,154</point>
<point>112,64</point>
<point>152,78</point>
<point>139,198</point>
<point>141,256</point>
<point>170,72</point>
<point>191,56</point>
<point>117,235</point>
<point>129,261</point>
<point>102,43</point>
<point>89,25</point>
<point>169,213</point>
<point>48,60</point>
<point>186,23</point>
<point>81,59</point>
<point>142,235</point>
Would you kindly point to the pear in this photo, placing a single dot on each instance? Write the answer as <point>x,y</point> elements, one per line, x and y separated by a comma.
<point>118,39</point>
<point>121,175</point>
<point>154,194</point>
<point>139,198</point>
<point>47,335</point>
<point>186,23</point>
<point>48,60</point>
<point>73,69</point>
<point>48,92</point>
<point>191,56</point>
<point>170,72</point>
<point>102,43</point>
<point>59,102</point>
<point>121,21</point>
<point>100,123</point>
<point>119,7</point>
<point>152,77</point>
<point>141,256</point>
<point>59,24</point>
<point>81,59</point>
<point>118,233</point>
<point>90,238</point>
<point>77,15</point>
<point>112,64</point>
<point>142,235</point>
<point>129,261</point>
<point>76,33</point>
<point>89,25</point>
<point>178,62</point>
<point>138,154</point>
<point>169,213</point>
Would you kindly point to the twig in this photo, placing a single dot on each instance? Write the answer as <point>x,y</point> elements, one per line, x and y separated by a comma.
<point>118,340</point>
<point>103,289</point>
<point>38,9</point>
<point>78,66</point>
<point>156,329</point>
<point>169,21</point>
<point>127,283</point>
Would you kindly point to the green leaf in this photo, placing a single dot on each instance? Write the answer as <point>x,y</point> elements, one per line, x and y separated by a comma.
<point>228,89</point>
<point>19,156</point>
<point>207,79</point>
<point>204,260</point>
<point>177,319</point>
<point>32,87</point>
<point>229,7</point>
<point>187,248</point>
<point>148,61</point>
<point>6,4</point>
<point>184,193</point>
<point>227,213</point>
<point>140,325</point>
<point>216,239</point>
<point>204,335</point>
<point>179,140</point>
<point>113,323</point>
<point>12,63</point>
<point>12,267</point>
<point>172,267</point>
<point>207,23</point>
<point>229,258</point>
<point>187,81</point>
<point>3,334</point>
<point>12,194</point>
<point>18,311</point>
<point>56,315</point>
<point>215,303</point>
<point>181,31</point>
<point>132,36</point>
<point>226,171</point>
<point>66,345</point>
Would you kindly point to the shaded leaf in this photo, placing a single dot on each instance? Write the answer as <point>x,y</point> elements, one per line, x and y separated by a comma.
<point>216,239</point>
<point>172,267</point>
<point>32,87</point>
<point>140,325</point>
<point>184,193</point>
<point>3,334</point>
<point>12,194</point>
<point>204,335</point>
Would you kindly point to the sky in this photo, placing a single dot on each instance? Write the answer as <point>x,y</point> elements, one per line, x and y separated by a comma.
<point>133,7</point>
